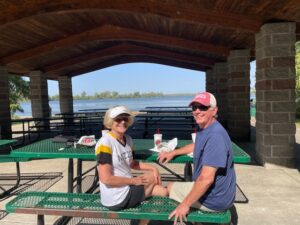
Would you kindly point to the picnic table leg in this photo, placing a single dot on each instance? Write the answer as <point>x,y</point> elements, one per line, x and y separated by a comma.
<point>79,176</point>
<point>23,132</point>
<point>65,219</point>
<point>95,182</point>
<point>188,171</point>
<point>70,176</point>
<point>5,192</point>
<point>40,220</point>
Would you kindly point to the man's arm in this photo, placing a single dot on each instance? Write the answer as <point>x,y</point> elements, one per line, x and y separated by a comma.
<point>200,187</point>
<point>165,157</point>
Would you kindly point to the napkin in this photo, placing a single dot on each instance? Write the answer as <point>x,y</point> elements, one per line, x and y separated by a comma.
<point>191,154</point>
<point>165,146</point>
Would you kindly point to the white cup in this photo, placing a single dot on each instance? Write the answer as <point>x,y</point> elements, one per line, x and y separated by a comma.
<point>157,139</point>
<point>194,137</point>
<point>104,132</point>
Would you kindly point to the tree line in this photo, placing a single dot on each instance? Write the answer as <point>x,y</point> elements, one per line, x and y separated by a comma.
<point>110,94</point>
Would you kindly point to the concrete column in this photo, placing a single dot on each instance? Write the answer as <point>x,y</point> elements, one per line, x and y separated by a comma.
<point>239,94</point>
<point>5,119</point>
<point>65,94</point>
<point>210,81</point>
<point>39,95</point>
<point>275,94</point>
<point>220,71</point>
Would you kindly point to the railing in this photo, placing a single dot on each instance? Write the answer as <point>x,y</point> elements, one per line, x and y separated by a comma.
<point>68,125</point>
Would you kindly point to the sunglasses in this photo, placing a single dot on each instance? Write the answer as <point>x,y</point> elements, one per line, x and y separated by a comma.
<point>120,119</point>
<point>200,107</point>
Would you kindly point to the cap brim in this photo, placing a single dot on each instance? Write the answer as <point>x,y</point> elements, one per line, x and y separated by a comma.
<point>192,102</point>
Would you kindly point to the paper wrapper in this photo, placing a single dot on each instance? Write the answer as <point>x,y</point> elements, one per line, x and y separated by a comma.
<point>165,146</point>
<point>87,140</point>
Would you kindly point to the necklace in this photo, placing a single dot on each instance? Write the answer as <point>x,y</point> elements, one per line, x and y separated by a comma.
<point>121,140</point>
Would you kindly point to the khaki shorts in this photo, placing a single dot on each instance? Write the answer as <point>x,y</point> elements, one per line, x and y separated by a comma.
<point>181,189</point>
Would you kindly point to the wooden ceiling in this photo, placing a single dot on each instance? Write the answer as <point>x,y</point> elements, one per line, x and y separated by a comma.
<point>71,37</point>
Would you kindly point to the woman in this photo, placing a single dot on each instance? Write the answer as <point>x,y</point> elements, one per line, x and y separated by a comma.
<point>114,151</point>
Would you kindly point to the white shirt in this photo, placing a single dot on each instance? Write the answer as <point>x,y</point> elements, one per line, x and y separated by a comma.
<point>121,158</point>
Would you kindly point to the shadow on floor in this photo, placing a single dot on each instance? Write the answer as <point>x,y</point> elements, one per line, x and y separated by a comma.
<point>30,182</point>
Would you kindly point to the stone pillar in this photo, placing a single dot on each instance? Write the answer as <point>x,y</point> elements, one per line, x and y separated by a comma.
<point>65,94</point>
<point>239,94</point>
<point>39,95</point>
<point>275,94</point>
<point>220,71</point>
<point>210,81</point>
<point>5,119</point>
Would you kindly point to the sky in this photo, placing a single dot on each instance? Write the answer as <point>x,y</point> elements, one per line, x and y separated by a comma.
<point>139,77</point>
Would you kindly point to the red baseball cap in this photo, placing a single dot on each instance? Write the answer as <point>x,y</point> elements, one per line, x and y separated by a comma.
<point>204,98</point>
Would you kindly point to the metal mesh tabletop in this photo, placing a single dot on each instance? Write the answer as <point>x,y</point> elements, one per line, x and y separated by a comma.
<point>9,158</point>
<point>239,155</point>
<point>5,143</point>
<point>154,208</point>
<point>48,149</point>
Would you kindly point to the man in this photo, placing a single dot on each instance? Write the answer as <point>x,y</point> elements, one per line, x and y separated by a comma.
<point>214,180</point>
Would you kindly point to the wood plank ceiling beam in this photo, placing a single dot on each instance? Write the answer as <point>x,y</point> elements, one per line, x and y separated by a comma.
<point>129,49</point>
<point>186,11</point>
<point>108,33</point>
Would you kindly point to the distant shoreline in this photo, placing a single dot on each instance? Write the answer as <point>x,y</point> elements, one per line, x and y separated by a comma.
<point>134,104</point>
<point>54,98</point>
<point>116,95</point>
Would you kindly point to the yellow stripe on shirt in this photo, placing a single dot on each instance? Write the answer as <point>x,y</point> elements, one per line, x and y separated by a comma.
<point>104,149</point>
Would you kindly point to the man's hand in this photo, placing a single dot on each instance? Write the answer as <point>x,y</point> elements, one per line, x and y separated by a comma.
<point>165,157</point>
<point>180,212</point>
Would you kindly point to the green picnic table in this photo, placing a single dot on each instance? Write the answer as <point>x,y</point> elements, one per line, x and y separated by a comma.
<point>5,158</point>
<point>48,149</point>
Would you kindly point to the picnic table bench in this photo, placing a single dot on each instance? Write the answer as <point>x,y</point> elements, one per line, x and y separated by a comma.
<point>89,206</point>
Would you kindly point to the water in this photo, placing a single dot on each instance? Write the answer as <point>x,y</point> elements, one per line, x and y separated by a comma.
<point>134,104</point>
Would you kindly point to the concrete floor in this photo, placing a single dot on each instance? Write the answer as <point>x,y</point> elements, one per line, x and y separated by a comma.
<point>273,192</point>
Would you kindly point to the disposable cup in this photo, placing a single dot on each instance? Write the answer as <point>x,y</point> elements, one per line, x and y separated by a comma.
<point>194,137</point>
<point>157,139</point>
<point>104,132</point>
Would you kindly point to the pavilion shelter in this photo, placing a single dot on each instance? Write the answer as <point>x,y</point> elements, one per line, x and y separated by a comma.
<point>59,39</point>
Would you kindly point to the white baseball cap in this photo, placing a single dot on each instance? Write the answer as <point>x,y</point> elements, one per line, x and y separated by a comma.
<point>118,110</point>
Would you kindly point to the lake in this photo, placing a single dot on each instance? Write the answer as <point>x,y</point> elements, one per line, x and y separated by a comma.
<point>134,104</point>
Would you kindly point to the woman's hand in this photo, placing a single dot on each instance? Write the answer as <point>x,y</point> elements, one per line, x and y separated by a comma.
<point>157,177</point>
<point>137,181</point>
